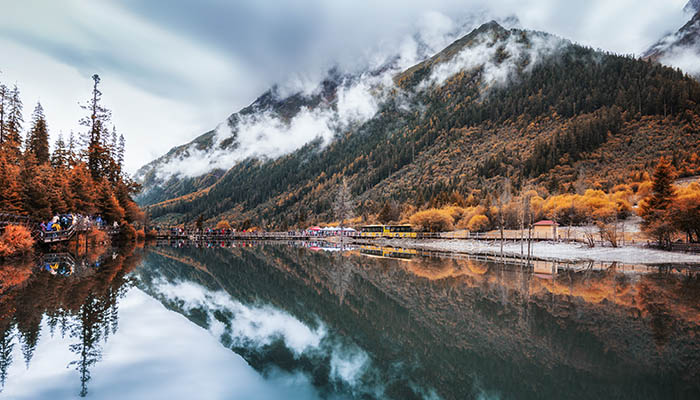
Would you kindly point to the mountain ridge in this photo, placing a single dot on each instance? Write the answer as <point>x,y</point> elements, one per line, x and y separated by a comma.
<point>681,48</point>
<point>461,125</point>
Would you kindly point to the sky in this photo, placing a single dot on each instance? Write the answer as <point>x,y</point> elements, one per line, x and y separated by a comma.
<point>172,69</point>
<point>155,354</point>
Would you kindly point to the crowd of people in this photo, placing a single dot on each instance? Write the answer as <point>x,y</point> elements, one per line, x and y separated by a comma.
<point>63,222</point>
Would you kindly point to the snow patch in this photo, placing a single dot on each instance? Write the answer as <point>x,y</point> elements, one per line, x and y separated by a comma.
<point>565,251</point>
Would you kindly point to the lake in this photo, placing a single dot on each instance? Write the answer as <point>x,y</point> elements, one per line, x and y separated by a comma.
<point>306,321</point>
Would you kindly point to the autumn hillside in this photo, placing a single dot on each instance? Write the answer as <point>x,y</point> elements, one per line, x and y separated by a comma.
<point>496,104</point>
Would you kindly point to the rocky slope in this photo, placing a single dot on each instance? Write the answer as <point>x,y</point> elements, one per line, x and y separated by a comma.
<point>682,48</point>
<point>496,103</point>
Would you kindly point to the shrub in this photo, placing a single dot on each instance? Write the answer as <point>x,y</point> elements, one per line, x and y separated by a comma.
<point>478,223</point>
<point>16,240</point>
<point>223,224</point>
<point>432,220</point>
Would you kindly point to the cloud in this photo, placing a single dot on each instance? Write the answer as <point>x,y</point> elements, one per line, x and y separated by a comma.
<point>686,58</point>
<point>250,325</point>
<point>484,54</point>
<point>266,135</point>
<point>174,359</point>
<point>174,69</point>
<point>350,368</point>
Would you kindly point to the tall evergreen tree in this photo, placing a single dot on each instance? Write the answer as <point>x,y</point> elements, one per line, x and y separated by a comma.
<point>59,157</point>
<point>10,188</point>
<point>6,347</point>
<point>34,193</point>
<point>113,143</point>
<point>655,209</point>
<point>120,153</point>
<point>96,122</point>
<point>38,138</point>
<point>72,149</point>
<point>12,140</point>
<point>4,100</point>
<point>662,189</point>
<point>88,332</point>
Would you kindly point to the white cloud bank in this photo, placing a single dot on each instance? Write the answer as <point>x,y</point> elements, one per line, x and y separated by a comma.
<point>267,136</point>
<point>172,69</point>
<point>484,54</point>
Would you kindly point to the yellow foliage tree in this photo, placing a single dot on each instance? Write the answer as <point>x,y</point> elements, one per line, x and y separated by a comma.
<point>223,224</point>
<point>432,220</point>
<point>478,223</point>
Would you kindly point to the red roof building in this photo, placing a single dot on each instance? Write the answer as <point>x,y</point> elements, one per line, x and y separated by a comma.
<point>545,229</point>
<point>546,222</point>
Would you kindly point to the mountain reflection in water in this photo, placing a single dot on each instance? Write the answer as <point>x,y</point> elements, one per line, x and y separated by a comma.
<point>370,323</point>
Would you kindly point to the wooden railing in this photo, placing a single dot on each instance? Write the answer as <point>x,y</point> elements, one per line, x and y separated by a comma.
<point>52,236</point>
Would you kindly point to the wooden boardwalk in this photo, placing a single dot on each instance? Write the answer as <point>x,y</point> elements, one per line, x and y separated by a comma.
<point>211,236</point>
<point>49,237</point>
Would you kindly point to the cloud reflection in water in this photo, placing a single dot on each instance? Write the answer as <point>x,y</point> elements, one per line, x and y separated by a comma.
<point>155,354</point>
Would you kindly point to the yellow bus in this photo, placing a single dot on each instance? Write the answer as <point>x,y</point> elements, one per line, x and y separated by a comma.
<point>388,252</point>
<point>388,231</point>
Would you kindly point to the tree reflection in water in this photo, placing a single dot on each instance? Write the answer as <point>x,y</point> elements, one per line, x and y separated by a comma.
<point>82,304</point>
<point>385,324</point>
<point>461,328</point>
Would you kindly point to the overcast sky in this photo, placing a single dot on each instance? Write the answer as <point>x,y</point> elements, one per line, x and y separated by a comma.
<point>172,69</point>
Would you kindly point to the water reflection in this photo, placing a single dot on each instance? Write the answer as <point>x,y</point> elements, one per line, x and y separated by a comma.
<point>76,298</point>
<point>452,328</point>
<point>325,321</point>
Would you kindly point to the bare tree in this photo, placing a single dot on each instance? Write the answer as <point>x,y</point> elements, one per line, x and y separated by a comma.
<point>344,204</point>
<point>524,215</point>
<point>504,199</point>
<point>589,235</point>
<point>612,231</point>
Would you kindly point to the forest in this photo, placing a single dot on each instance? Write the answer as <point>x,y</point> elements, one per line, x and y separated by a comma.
<point>81,174</point>
<point>84,308</point>
<point>579,115</point>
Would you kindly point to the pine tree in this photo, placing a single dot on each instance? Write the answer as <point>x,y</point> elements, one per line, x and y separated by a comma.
<point>4,93</point>
<point>120,153</point>
<point>662,189</point>
<point>38,138</point>
<point>83,189</point>
<point>59,157</point>
<point>109,206</point>
<point>72,155</point>
<point>10,189</point>
<point>96,122</point>
<point>655,209</point>
<point>389,212</point>
<point>6,347</point>
<point>34,194</point>
<point>114,143</point>
<point>12,140</point>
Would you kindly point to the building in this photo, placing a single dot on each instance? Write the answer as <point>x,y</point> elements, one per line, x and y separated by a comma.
<point>545,229</point>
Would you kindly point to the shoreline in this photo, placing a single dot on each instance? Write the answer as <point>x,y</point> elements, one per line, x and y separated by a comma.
<point>548,251</point>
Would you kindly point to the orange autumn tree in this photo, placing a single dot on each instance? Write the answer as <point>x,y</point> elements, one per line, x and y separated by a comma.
<point>654,209</point>
<point>684,211</point>
<point>40,183</point>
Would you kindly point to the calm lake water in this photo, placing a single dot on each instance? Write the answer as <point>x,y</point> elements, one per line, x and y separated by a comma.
<point>303,322</point>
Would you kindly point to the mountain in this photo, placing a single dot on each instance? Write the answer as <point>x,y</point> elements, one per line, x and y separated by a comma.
<point>693,6</point>
<point>682,48</point>
<point>495,103</point>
